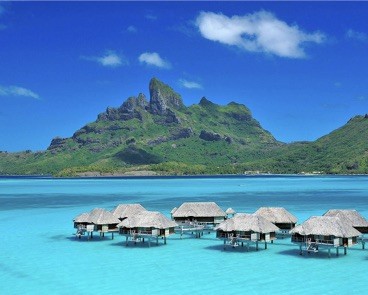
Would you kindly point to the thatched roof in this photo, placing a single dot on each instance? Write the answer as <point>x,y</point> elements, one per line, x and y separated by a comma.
<point>230,211</point>
<point>102,216</point>
<point>199,209</point>
<point>247,222</point>
<point>351,217</point>
<point>82,218</point>
<point>148,219</point>
<point>326,226</point>
<point>173,210</point>
<point>126,210</point>
<point>276,215</point>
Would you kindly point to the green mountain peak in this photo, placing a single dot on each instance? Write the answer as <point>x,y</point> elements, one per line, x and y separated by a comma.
<point>163,97</point>
<point>164,136</point>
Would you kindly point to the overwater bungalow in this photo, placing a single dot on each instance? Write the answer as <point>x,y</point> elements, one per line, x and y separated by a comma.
<point>98,220</point>
<point>172,212</point>
<point>246,229</point>
<point>230,212</point>
<point>81,220</point>
<point>123,211</point>
<point>205,213</point>
<point>324,232</point>
<point>352,217</point>
<point>280,217</point>
<point>146,225</point>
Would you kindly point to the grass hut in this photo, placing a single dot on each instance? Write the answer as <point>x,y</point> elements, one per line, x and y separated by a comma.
<point>207,213</point>
<point>81,223</point>
<point>123,211</point>
<point>172,212</point>
<point>146,225</point>
<point>280,217</point>
<point>246,228</point>
<point>230,212</point>
<point>99,220</point>
<point>324,232</point>
<point>352,217</point>
<point>81,220</point>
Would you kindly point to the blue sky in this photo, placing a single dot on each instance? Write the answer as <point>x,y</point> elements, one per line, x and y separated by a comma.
<point>302,68</point>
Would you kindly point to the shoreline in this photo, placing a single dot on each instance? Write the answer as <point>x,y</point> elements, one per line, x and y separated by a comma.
<point>157,176</point>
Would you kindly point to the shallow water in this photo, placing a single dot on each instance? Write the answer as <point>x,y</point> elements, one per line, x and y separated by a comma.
<point>39,254</point>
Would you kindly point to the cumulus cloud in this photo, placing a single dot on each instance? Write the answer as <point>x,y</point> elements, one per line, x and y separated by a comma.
<point>189,84</point>
<point>360,36</point>
<point>257,32</point>
<point>109,59</point>
<point>154,59</point>
<point>132,29</point>
<point>17,91</point>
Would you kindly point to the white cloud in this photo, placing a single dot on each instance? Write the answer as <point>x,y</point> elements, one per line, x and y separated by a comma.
<point>109,59</point>
<point>151,16</point>
<point>257,32</point>
<point>132,29</point>
<point>360,36</point>
<point>189,84</point>
<point>17,91</point>
<point>154,59</point>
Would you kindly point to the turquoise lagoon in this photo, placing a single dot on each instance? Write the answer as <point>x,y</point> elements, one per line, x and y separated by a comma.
<point>40,255</point>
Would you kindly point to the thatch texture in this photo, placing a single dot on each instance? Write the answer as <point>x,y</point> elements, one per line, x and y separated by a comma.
<point>82,218</point>
<point>326,226</point>
<point>351,217</point>
<point>247,222</point>
<point>230,211</point>
<point>199,209</point>
<point>148,219</point>
<point>122,211</point>
<point>276,215</point>
<point>101,216</point>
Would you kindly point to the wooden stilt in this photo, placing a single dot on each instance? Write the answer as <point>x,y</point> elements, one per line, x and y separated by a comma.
<point>271,241</point>
<point>165,240</point>
<point>143,240</point>
<point>329,252</point>
<point>248,247</point>
<point>126,241</point>
<point>157,240</point>
<point>337,251</point>
<point>300,248</point>
<point>345,250</point>
<point>257,245</point>
<point>242,244</point>
<point>265,245</point>
<point>363,245</point>
<point>112,236</point>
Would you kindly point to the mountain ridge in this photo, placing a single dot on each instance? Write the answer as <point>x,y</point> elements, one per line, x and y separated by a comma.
<point>163,135</point>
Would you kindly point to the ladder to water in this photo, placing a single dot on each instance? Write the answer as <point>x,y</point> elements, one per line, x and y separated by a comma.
<point>312,247</point>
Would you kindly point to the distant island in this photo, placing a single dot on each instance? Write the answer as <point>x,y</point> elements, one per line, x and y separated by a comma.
<point>162,136</point>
